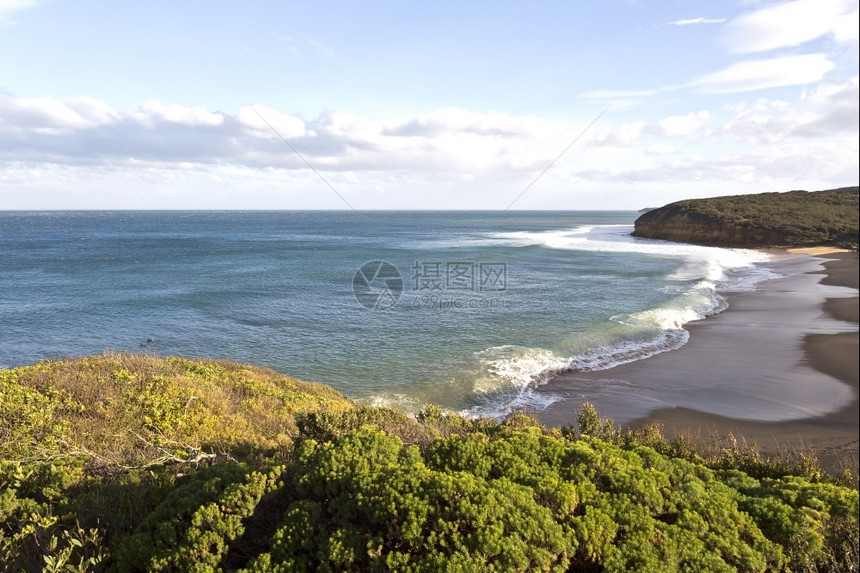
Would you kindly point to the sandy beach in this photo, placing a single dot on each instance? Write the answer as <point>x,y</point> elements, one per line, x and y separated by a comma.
<point>778,369</point>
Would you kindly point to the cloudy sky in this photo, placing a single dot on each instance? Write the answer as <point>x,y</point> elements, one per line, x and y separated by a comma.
<point>589,104</point>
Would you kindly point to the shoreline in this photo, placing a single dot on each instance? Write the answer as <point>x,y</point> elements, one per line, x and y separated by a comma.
<point>778,370</point>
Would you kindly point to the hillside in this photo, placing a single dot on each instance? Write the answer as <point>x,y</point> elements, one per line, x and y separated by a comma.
<point>129,462</point>
<point>795,218</point>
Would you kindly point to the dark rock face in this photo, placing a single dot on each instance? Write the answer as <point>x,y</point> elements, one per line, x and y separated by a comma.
<point>673,224</point>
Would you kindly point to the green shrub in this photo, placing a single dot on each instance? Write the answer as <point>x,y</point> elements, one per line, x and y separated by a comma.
<point>360,489</point>
<point>367,503</point>
<point>191,530</point>
<point>37,528</point>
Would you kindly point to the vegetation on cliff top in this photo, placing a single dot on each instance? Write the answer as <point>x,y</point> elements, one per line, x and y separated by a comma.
<point>793,218</point>
<point>128,462</point>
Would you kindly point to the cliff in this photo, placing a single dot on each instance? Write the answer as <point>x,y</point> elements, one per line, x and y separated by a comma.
<point>795,218</point>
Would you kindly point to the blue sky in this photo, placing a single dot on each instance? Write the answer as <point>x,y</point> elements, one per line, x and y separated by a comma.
<point>443,105</point>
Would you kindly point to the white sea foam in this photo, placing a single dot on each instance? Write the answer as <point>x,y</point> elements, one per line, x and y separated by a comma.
<point>395,400</point>
<point>652,331</point>
<point>625,351</point>
<point>505,383</point>
<point>517,367</point>
<point>692,303</point>
<point>525,400</point>
<point>697,261</point>
<point>529,367</point>
<point>508,375</point>
<point>716,264</point>
<point>646,333</point>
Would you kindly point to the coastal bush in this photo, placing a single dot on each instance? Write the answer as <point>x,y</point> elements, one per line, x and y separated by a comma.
<point>191,530</point>
<point>522,502</point>
<point>326,426</point>
<point>358,489</point>
<point>369,503</point>
<point>29,426</point>
<point>128,410</point>
<point>37,530</point>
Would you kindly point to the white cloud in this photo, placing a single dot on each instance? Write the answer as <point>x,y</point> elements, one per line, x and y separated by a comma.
<point>84,130</point>
<point>660,149</point>
<point>749,75</point>
<point>49,113</point>
<point>831,109</point>
<point>265,122</point>
<point>152,112</point>
<point>625,135</point>
<point>7,7</point>
<point>782,25</point>
<point>762,74</point>
<point>846,28</point>
<point>700,20</point>
<point>629,134</point>
<point>460,120</point>
<point>186,156</point>
<point>778,167</point>
<point>683,125</point>
<point>790,24</point>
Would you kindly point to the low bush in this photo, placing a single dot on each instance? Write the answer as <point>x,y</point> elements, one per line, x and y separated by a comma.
<point>369,489</point>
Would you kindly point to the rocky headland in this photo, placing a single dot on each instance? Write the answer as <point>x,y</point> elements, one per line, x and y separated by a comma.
<point>794,218</point>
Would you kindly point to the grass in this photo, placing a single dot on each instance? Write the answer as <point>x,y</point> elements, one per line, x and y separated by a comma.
<point>129,409</point>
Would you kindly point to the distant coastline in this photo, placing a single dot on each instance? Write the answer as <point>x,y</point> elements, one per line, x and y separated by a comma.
<point>791,219</point>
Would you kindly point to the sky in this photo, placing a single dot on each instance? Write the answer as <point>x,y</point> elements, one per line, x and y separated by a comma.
<point>586,104</point>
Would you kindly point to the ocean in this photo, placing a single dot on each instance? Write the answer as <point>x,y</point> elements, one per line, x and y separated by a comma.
<point>466,310</point>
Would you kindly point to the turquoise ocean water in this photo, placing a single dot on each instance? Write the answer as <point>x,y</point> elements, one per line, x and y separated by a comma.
<point>467,310</point>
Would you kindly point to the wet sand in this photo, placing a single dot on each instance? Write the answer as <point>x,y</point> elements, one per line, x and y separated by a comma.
<point>778,369</point>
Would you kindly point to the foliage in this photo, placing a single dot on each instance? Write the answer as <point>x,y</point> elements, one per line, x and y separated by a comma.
<point>369,489</point>
<point>36,533</point>
<point>127,410</point>
<point>792,218</point>
<point>191,530</point>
